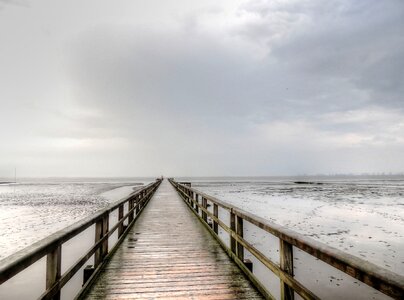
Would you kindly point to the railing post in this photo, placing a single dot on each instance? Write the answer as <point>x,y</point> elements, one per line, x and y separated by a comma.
<point>53,269</point>
<point>98,236</point>
<point>87,272</point>
<point>233,229</point>
<point>105,229</point>
<point>197,202</point>
<point>216,214</point>
<point>239,231</point>
<point>286,264</point>
<point>205,206</point>
<point>120,217</point>
<point>137,204</point>
<point>141,196</point>
<point>130,207</point>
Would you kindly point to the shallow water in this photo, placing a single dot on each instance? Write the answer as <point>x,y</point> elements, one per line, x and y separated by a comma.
<point>361,216</point>
<point>32,210</point>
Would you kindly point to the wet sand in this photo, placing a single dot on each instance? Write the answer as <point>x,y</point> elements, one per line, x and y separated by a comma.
<point>32,211</point>
<point>365,219</point>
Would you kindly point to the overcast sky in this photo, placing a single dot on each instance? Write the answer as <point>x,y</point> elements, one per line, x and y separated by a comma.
<point>139,88</point>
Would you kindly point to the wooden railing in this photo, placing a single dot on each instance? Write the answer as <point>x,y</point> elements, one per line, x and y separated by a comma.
<point>51,247</point>
<point>376,277</point>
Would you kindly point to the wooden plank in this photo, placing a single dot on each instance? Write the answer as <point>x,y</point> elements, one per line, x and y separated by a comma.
<point>286,264</point>
<point>240,232</point>
<point>233,228</point>
<point>120,217</point>
<point>216,214</point>
<point>98,235</point>
<point>205,206</point>
<point>53,269</point>
<point>169,254</point>
<point>137,204</point>
<point>105,229</point>
<point>130,207</point>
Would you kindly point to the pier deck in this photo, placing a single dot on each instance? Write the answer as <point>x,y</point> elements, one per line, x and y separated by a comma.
<point>168,254</point>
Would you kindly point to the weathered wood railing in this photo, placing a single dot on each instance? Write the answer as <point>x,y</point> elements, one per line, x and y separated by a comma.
<point>378,278</point>
<point>51,247</point>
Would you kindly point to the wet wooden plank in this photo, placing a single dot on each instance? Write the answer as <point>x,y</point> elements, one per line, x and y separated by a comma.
<point>168,254</point>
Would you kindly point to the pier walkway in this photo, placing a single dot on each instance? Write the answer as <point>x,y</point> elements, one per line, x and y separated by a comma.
<point>168,254</point>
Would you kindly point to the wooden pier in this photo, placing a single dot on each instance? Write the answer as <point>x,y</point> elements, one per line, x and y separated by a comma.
<point>168,254</point>
<point>169,246</point>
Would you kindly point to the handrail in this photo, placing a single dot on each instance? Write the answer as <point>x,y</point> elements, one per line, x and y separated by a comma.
<point>51,246</point>
<point>372,275</point>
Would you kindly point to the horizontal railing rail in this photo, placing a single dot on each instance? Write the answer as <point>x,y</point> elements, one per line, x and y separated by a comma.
<point>51,246</point>
<point>372,275</point>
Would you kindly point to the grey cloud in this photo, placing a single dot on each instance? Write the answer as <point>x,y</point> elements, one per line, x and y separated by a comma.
<point>358,42</point>
<point>277,87</point>
<point>189,77</point>
<point>22,3</point>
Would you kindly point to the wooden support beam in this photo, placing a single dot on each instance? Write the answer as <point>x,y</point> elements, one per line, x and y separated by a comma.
<point>130,207</point>
<point>53,269</point>
<point>204,205</point>
<point>240,232</point>
<point>141,195</point>
<point>120,217</point>
<point>216,214</point>
<point>197,202</point>
<point>233,228</point>
<point>105,229</point>
<point>87,272</point>
<point>249,265</point>
<point>98,236</point>
<point>286,264</point>
<point>136,203</point>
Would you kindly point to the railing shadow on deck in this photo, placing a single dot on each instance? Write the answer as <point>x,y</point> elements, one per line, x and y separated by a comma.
<point>385,281</point>
<point>51,247</point>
